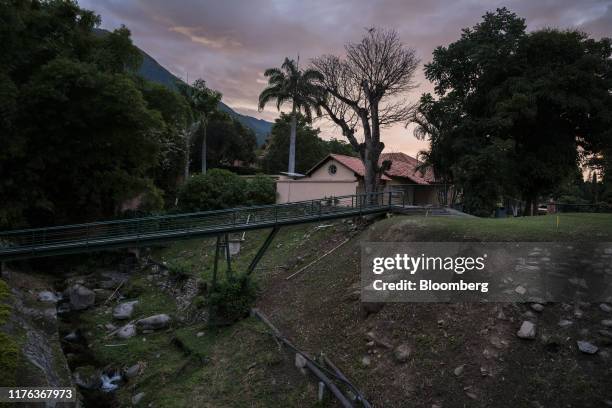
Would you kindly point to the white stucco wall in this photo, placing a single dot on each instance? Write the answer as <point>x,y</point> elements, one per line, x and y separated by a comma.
<point>319,185</point>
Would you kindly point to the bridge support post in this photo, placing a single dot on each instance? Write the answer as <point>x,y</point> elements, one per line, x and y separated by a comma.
<point>262,250</point>
<point>228,256</point>
<point>216,264</point>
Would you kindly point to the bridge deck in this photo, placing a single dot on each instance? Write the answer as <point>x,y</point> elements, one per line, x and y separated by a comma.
<point>61,240</point>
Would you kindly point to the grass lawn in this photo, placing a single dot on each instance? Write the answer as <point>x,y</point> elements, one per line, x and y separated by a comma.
<point>561,227</point>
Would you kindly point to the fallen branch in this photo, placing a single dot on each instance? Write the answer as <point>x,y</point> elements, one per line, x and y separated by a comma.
<point>115,292</point>
<point>312,366</point>
<point>112,333</point>
<point>115,345</point>
<point>317,260</point>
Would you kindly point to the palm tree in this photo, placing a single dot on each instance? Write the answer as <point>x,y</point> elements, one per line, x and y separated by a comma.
<point>203,102</point>
<point>300,88</point>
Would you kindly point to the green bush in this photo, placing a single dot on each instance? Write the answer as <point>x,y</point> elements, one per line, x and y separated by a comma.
<point>261,190</point>
<point>217,189</point>
<point>232,299</point>
<point>179,270</point>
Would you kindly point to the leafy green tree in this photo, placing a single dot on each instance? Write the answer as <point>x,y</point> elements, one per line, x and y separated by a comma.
<point>309,151</point>
<point>336,146</point>
<point>175,114</point>
<point>203,102</point>
<point>261,190</point>
<point>527,103</point>
<point>214,190</point>
<point>288,84</point>
<point>228,141</point>
<point>77,135</point>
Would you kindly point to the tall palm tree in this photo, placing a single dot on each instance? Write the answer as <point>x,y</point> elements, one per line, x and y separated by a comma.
<point>288,84</point>
<point>203,102</point>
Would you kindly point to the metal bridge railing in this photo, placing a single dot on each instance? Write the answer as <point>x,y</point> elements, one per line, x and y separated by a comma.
<point>137,231</point>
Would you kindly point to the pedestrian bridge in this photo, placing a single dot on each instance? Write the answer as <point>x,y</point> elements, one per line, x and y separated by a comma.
<point>135,232</point>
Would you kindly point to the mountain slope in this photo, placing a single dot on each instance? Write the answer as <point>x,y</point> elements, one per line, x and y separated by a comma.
<point>154,72</point>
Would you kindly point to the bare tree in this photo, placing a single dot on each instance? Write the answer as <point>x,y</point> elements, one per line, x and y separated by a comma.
<point>365,91</point>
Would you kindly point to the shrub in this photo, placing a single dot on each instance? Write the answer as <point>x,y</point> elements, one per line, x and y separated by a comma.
<point>232,299</point>
<point>216,189</point>
<point>179,270</point>
<point>261,190</point>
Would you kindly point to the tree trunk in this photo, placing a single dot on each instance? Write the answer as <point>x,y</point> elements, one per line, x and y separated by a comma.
<point>531,206</point>
<point>291,168</point>
<point>204,143</point>
<point>187,148</point>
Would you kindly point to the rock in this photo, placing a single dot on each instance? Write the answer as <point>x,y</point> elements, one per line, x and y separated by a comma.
<point>72,336</point>
<point>155,322</point>
<point>606,308</point>
<point>137,398</point>
<point>401,353</point>
<point>127,331</point>
<point>586,347</point>
<point>87,377</point>
<point>132,371</point>
<point>578,314</point>
<point>606,333</point>
<point>47,296</point>
<point>607,322</point>
<point>124,311</point>
<point>458,371</point>
<point>300,363</point>
<point>537,307</point>
<point>200,334</point>
<point>520,290</point>
<point>529,315</point>
<point>110,327</point>
<point>565,323</point>
<point>527,331</point>
<point>365,361</point>
<point>81,297</point>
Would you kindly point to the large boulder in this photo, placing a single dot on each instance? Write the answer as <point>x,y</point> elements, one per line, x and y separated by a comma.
<point>160,321</point>
<point>127,331</point>
<point>81,297</point>
<point>123,311</point>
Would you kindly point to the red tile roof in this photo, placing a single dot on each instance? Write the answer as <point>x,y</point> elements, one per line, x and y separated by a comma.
<point>402,166</point>
<point>405,166</point>
<point>353,163</point>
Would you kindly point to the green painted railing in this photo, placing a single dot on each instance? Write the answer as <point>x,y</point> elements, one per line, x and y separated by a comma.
<point>29,243</point>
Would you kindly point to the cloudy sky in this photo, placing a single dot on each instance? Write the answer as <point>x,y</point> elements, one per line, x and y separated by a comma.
<point>229,43</point>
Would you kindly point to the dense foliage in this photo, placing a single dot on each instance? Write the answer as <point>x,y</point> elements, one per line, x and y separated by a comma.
<point>229,142</point>
<point>515,111</point>
<point>232,299</point>
<point>218,189</point>
<point>310,148</point>
<point>81,134</point>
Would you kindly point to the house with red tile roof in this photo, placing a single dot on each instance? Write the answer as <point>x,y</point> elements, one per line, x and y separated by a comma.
<point>338,175</point>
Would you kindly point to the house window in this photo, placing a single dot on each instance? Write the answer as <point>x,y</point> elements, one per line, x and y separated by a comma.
<point>332,169</point>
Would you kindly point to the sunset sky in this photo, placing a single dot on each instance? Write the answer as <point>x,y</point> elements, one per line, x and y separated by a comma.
<point>230,43</point>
